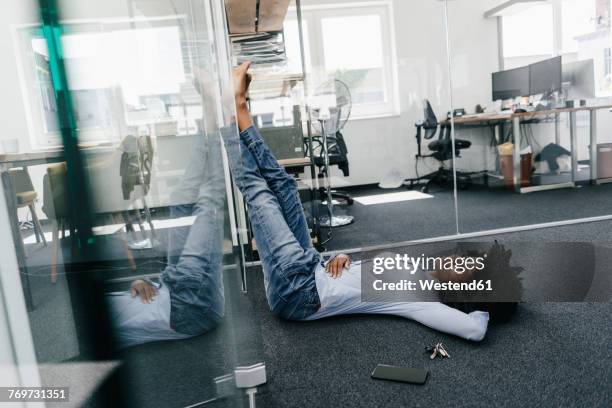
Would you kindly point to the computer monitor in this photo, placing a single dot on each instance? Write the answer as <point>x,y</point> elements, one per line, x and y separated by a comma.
<point>511,83</point>
<point>579,80</point>
<point>545,76</point>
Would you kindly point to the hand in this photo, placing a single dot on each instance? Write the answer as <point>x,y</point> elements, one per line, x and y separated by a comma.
<point>242,80</point>
<point>337,264</point>
<point>144,290</point>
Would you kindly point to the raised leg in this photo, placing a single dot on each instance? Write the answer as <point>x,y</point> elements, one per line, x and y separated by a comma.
<point>194,272</point>
<point>281,184</point>
<point>288,265</point>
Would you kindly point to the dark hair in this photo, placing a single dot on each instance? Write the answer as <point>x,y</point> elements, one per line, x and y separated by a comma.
<point>507,288</point>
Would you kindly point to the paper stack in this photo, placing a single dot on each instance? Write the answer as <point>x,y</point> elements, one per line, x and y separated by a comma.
<point>261,49</point>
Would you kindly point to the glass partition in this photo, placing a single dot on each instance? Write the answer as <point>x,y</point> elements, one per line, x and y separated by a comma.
<point>366,85</point>
<point>123,231</point>
<point>531,111</point>
<point>117,193</point>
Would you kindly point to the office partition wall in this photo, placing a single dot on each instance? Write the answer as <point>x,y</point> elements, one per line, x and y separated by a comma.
<point>518,94</point>
<point>118,203</point>
<point>538,152</point>
<point>115,175</point>
<point>375,63</point>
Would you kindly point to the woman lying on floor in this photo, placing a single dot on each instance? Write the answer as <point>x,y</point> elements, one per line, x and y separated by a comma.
<point>299,284</point>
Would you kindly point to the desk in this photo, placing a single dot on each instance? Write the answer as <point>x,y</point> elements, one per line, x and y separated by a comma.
<point>298,162</point>
<point>11,160</point>
<point>516,119</point>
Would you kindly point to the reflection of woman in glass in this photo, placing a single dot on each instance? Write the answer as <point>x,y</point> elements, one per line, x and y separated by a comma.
<point>189,299</point>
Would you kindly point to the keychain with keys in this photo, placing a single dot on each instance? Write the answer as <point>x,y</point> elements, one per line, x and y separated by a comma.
<point>437,350</point>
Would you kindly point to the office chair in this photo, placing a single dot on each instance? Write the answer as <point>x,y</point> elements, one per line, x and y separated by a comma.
<point>338,152</point>
<point>441,150</point>
<point>26,196</point>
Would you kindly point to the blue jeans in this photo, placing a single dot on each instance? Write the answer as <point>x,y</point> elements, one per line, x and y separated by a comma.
<point>278,224</point>
<point>195,253</point>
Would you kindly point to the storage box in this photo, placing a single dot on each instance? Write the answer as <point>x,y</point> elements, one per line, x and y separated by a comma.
<point>604,160</point>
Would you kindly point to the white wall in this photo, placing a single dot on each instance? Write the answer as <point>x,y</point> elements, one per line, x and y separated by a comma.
<point>474,56</point>
<point>377,146</point>
<point>12,110</point>
<point>12,104</point>
<point>15,118</point>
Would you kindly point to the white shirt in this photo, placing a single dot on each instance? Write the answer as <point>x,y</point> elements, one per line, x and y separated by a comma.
<point>136,322</point>
<point>343,296</point>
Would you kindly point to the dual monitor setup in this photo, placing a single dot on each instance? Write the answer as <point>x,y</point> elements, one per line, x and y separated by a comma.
<point>576,80</point>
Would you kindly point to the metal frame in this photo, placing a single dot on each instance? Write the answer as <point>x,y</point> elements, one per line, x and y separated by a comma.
<point>452,121</point>
<point>313,173</point>
<point>460,236</point>
<point>593,145</point>
<point>573,145</point>
<point>14,319</point>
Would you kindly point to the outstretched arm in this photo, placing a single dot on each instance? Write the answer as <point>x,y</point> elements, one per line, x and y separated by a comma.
<point>242,80</point>
<point>438,316</point>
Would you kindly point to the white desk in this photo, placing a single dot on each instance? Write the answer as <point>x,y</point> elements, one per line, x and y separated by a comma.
<point>517,118</point>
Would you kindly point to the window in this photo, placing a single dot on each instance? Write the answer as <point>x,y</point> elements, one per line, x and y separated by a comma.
<point>529,32</point>
<point>292,45</point>
<point>142,62</point>
<point>532,32</point>
<point>578,18</point>
<point>354,44</point>
<point>578,30</point>
<point>345,61</point>
<point>121,81</point>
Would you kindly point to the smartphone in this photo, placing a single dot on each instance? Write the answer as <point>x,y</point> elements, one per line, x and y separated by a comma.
<point>402,374</point>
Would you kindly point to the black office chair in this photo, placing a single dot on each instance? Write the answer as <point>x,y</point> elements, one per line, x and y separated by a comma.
<point>337,157</point>
<point>442,151</point>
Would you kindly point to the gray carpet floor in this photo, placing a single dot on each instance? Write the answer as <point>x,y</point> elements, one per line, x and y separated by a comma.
<point>479,209</point>
<point>549,355</point>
